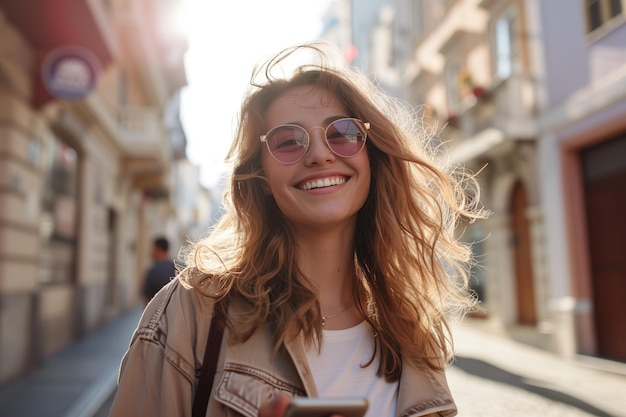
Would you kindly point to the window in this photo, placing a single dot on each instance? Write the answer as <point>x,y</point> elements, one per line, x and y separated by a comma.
<point>478,277</point>
<point>58,222</point>
<point>506,45</point>
<point>416,18</point>
<point>600,12</point>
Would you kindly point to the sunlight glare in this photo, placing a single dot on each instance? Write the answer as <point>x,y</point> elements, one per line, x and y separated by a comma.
<point>226,40</point>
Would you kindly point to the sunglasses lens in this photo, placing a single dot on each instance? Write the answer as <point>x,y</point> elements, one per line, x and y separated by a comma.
<point>346,137</point>
<point>287,143</point>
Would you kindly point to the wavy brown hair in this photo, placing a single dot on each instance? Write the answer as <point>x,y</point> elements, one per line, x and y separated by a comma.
<point>409,265</point>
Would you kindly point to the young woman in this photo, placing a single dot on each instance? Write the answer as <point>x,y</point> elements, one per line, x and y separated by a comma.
<point>334,266</point>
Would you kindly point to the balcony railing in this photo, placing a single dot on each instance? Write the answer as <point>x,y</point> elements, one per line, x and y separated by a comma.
<point>142,134</point>
<point>506,112</point>
<point>515,102</point>
<point>509,106</point>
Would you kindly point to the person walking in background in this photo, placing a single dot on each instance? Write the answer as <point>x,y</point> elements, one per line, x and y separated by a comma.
<point>162,270</point>
<point>332,270</point>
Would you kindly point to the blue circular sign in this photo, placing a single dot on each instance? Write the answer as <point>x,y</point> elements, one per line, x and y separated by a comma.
<point>70,72</point>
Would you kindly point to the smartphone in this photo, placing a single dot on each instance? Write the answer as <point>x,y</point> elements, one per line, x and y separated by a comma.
<point>322,407</point>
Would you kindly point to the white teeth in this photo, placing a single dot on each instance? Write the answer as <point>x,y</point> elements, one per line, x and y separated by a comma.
<point>323,182</point>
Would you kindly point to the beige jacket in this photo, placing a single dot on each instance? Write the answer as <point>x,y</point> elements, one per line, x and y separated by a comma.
<point>159,370</point>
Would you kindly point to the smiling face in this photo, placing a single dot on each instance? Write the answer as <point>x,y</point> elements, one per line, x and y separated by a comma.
<point>321,189</point>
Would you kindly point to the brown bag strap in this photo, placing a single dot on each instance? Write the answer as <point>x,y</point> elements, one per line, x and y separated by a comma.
<point>209,364</point>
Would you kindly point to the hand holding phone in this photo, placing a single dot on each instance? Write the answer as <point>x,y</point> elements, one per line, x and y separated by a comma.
<point>323,407</point>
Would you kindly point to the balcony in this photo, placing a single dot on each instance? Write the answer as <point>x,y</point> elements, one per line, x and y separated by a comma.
<point>493,117</point>
<point>143,139</point>
<point>509,106</point>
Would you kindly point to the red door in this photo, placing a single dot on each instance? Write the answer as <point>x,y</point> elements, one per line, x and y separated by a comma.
<point>606,220</point>
<point>524,280</point>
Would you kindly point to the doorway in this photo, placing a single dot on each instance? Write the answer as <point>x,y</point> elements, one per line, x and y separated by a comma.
<point>604,174</point>
<point>522,256</point>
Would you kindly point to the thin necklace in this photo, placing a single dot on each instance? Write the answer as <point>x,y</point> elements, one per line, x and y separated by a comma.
<point>324,318</point>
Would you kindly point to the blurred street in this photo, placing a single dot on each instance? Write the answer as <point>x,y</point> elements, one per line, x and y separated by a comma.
<point>496,376</point>
<point>492,376</point>
<point>76,381</point>
<point>114,116</point>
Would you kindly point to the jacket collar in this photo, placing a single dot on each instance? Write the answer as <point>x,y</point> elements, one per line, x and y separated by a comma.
<point>296,349</point>
<point>424,391</point>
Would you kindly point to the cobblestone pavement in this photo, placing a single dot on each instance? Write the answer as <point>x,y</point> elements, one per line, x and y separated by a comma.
<point>480,397</point>
<point>496,376</point>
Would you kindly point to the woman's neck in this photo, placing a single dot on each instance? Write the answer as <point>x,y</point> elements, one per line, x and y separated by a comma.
<point>327,262</point>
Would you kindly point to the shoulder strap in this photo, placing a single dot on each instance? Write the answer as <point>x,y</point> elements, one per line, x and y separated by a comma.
<point>209,363</point>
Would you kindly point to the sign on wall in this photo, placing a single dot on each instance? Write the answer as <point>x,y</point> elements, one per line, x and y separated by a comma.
<point>70,72</point>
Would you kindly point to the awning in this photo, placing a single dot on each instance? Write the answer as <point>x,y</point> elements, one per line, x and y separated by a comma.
<point>476,145</point>
<point>49,24</point>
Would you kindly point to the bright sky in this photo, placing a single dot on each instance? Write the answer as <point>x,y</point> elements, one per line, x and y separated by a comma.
<point>226,39</point>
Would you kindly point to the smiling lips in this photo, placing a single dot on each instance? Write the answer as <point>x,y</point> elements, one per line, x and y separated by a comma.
<point>322,182</point>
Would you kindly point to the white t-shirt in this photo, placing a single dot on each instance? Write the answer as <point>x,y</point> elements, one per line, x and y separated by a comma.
<point>337,369</point>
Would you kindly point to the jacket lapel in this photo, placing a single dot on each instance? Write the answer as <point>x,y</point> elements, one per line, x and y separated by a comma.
<point>295,348</point>
<point>423,392</point>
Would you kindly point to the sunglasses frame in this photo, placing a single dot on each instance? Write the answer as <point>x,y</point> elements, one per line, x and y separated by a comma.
<point>358,122</point>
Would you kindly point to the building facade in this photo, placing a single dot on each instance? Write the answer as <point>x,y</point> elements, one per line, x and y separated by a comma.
<point>530,95</point>
<point>89,139</point>
<point>583,146</point>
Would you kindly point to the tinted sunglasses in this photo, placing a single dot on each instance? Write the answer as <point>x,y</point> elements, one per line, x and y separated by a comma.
<point>288,143</point>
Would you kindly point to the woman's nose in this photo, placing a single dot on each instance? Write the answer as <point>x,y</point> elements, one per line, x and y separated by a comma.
<point>318,152</point>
